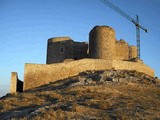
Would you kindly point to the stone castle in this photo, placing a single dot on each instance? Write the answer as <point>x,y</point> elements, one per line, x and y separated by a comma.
<point>66,58</point>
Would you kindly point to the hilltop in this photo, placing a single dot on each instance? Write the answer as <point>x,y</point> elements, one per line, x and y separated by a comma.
<point>105,94</point>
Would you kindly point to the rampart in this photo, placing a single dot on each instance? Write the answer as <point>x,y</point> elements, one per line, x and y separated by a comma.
<point>39,74</point>
<point>16,85</point>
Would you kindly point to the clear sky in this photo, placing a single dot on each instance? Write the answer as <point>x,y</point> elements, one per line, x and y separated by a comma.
<point>25,26</point>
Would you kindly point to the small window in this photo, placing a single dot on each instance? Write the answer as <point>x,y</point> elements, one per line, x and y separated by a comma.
<point>62,49</point>
<point>75,58</point>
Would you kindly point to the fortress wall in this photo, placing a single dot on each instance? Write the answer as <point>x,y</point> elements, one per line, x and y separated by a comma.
<point>68,49</point>
<point>122,51</point>
<point>38,74</point>
<point>80,50</point>
<point>126,65</point>
<point>16,85</point>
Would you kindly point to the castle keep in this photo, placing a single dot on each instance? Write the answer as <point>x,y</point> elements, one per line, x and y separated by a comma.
<point>66,58</point>
<point>61,48</point>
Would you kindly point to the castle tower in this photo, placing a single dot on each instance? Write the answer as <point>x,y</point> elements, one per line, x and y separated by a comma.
<point>61,48</point>
<point>102,42</point>
<point>56,49</point>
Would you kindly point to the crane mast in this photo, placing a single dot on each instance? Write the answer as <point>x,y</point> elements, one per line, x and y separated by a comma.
<point>135,22</point>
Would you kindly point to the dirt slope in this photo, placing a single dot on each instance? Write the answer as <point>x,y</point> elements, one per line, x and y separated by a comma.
<point>109,94</point>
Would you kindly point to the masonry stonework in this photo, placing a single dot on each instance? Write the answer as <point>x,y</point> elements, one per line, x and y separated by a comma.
<point>16,85</point>
<point>122,50</point>
<point>102,42</point>
<point>66,58</point>
<point>39,74</point>
<point>125,51</point>
<point>133,52</point>
<point>61,48</point>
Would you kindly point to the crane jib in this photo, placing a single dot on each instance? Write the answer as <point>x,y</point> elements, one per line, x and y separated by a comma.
<point>136,22</point>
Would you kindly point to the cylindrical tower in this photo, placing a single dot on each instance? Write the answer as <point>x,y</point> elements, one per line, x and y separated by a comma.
<point>58,48</point>
<point>102,42</point>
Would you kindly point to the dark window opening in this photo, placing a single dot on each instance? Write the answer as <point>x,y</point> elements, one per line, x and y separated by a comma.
<point>62,50</point>
<point>75,58</point>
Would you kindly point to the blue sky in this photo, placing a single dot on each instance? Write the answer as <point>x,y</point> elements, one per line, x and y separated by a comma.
<point>25,26</point>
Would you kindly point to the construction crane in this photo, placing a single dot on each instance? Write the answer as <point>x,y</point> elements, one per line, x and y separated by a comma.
<point>135,22</point>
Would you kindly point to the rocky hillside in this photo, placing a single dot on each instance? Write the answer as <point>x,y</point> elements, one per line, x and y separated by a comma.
<point>109,94</point>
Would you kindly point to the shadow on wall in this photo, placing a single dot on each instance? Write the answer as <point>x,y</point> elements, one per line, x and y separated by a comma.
<point>16,84</point>
<point>19,86</point>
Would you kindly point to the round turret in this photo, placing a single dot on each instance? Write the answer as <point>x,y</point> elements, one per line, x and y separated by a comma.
<point>102,42</point>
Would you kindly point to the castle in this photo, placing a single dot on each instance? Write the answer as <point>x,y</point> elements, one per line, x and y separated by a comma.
<point>66,58</point>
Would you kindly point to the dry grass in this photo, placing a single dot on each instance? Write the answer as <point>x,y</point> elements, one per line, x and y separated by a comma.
<point>118,101</point>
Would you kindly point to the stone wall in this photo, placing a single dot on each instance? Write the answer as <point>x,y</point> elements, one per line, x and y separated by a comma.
<point>38,74</point>
<point>13,85</point>
<point>16,85</point>
<point>133,52</point>
<point>126,65</point>
<point>80,50</point>
<point>122,50</point>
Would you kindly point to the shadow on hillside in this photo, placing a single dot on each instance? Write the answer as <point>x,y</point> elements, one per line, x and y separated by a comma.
<point>65,83</point>
<point>62,84</point>
<point>18,112</point>
<point>85,78</point>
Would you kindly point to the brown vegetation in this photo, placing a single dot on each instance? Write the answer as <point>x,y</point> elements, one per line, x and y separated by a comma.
<point>90,95</point>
